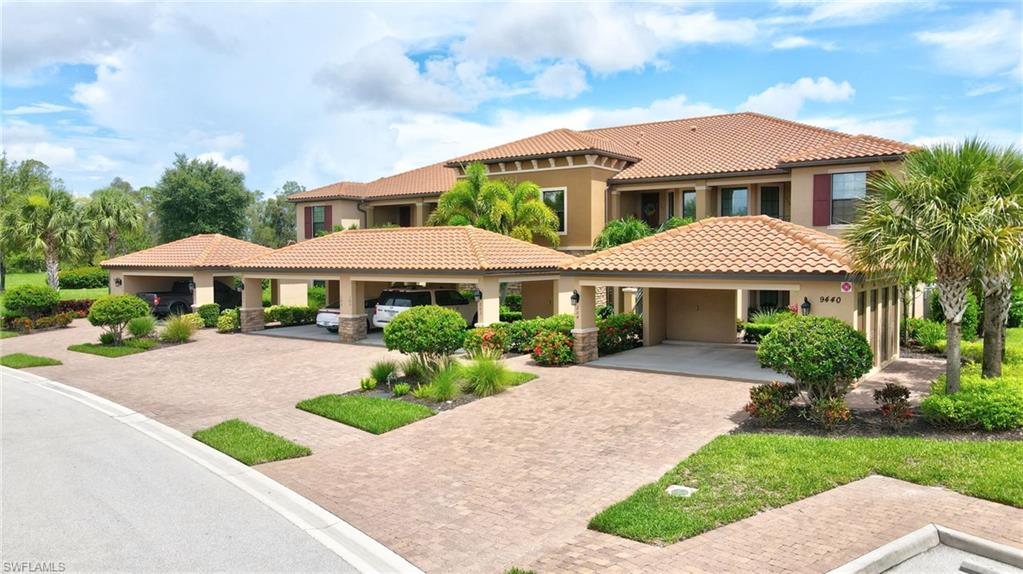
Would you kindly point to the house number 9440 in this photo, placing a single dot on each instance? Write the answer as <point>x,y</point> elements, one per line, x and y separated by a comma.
<point>830,299</point>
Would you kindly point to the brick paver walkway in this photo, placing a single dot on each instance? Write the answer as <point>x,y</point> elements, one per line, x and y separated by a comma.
<point>508,480</point>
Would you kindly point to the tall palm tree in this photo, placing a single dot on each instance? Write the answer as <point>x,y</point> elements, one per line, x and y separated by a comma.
<point>497,206</point>
<point>929,220</point>
<point>1000,251</point>
<point>110,212</point>
<point>49,222</point>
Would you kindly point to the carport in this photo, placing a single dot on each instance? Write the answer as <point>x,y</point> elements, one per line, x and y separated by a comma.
<point>201,260</point>
<point>366,261</point>
<point>693,278</point>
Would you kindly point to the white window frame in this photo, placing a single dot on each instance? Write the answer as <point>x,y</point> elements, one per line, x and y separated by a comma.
<point>564,194</point>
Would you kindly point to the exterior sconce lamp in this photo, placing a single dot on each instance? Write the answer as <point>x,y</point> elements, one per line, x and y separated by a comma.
<point>241,286</point>
<point>118,281</point>
<point>191,286</point>
<point>477,294</point>
<point>575,297</point>
<point>805,307</point>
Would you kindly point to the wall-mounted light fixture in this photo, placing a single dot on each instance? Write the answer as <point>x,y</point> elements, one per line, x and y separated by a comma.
<point>477,294</point>
<point>805,307</point>
<point>241,286</point>
<point>118,281</point>
<point>575,297</point>
<point>191,286</point>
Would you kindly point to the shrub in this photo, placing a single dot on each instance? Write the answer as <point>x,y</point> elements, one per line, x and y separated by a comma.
<point>288,315</point>
<point>178,329</point>
<point>485,377</point>
<point>83,278</point>
<point>382,370</point>
<point>924,332</point>
<point>317,297</point>
<point>510,316</point>
<point>770,316</point>
<point>144,344</point>
<point>770,401</point>
<point>209,313</point>
<point>971,318</point>
<point>428,331</point>
<point>485,341</point>
<point>368,384</point>
<point>1016,308</point>
<point>113,312</point>
<point>414,369</point>
<point>513,302</point>
<point>228,321</point>
<point>141,327</point>
<point>990,404</point>
<point>195,320</point>
<point>603,311</point>
<point>619,332</point>
<point>753,333</point>
<point>827,412</point>
<point>443,387</point>
<point>22,325</point>
<point>59,320</point>
<point>401,389</point>
<point>107,338</point>
<point>80,307</point>
<point>552,348</point>
<point>823,355</point>
<point>30,301</point>
<point>893,402</point>
<point>520,334</point>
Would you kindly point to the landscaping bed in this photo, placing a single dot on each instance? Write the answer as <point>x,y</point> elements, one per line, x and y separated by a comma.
<point>461,398</point>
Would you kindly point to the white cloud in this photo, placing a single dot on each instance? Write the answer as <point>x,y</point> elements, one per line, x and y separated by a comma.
<point>794,42</point>
<point>844,12</point>
<point>786,100</point>
<point>896,127</point>
<point>989,44</point>
<point>984,89</point>
<point>234,162</point>
<point>38,108</point>
<point>562,80</point>
<point>23,140</point>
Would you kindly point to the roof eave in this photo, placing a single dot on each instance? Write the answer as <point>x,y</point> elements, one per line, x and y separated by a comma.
<point>844,160</point>
<point>403,271</point>
<point>294,199</point>
<point>659,178</point>
<point>743,276</point>
<point>460,163</point>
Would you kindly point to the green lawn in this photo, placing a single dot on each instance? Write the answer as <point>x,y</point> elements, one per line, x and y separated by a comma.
<point>518,377</point>
<point>740,475</point>
<point>24,361</point>
<point>372,414</point>
<point>112,351</point>
<point>248,443</point>
<point>8,334</point>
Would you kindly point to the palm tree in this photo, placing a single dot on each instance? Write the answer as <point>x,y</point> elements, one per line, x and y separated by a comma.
<point>49,222</point>
<point>497,206</point>
<point>110,212</point>
<point>928,220</point>
<point>621,231</point>
<point>1001,252</point>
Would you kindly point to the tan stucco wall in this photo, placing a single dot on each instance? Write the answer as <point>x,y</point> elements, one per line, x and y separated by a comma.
<point>141,283</point>
<point>802,189</point>
<point>343,212</point>
<point>701,315</point>
<point>654,316</point>
<point>538,298</point>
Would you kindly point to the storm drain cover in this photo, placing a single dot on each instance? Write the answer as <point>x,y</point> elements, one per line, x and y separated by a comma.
<point>679,490</point>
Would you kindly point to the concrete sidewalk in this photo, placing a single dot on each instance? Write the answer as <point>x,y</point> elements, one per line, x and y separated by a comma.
<point>88,492</point>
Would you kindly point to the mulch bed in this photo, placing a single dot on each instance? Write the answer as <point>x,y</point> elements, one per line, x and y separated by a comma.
<point>871,424</point>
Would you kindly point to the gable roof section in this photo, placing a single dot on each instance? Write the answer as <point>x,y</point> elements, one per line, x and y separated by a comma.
<point>429,180</point>
<point>855,147</point>
<point>755,244</point>
<point>557,142</point>
<point>441,249</point>
<point>207,250</point>
<point>338,190</point>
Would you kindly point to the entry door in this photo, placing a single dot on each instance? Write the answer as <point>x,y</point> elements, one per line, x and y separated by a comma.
<point>650,208</point>
<point>770,201</point>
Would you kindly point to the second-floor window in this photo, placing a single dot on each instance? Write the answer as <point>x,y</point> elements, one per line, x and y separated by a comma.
<point>847,191</point>
<point>671,204</point>
<point>734,201</point>
<point>770,201</point>
<point>555,199</point>
<point>689,204</point>
<point>319,216</point>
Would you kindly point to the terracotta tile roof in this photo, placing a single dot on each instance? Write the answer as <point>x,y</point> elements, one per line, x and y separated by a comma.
<point>207,250</point>
<point>411,249</point>
<point>429,180</point>
<point>861,146</point>
<point>557,142</point>
<point>748,244</point>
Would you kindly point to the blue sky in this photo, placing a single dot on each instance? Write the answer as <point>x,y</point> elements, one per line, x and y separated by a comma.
<point>320,92</point>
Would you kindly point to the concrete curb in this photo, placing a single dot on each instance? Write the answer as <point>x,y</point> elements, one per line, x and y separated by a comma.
<point>351,544</point>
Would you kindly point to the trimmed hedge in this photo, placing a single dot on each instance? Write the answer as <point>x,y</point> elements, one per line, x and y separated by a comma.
<point>83,278</point>
<point>80,307</point>
<point>30,301</point>
<point>552,349</point>
<point>755,332</point>
<point>521,333</point>
<point>209,313</point>
<point>990,404</point>
<point>619,332</point>
<point>290,315</point>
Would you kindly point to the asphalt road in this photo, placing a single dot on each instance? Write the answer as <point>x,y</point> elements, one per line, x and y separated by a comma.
<point>82,492</point>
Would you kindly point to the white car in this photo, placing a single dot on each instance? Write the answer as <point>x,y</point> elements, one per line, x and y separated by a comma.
<point>394,301</point>
<point>328,317</point>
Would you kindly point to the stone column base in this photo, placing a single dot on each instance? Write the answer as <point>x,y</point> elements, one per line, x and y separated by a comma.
<point>585,344</point>
<point>351,328</point>
<point>251,319</point>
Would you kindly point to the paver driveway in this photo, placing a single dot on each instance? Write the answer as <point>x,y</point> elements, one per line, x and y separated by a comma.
<point>498,482</point>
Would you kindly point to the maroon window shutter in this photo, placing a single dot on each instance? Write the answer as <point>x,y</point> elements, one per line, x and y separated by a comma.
<point>822,200</point>
<point>328,223</point>
<point>308,222</point>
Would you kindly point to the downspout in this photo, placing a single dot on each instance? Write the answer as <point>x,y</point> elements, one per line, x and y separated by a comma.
<point>365,214</point>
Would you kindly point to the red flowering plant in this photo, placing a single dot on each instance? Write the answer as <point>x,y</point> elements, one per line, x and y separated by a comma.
<point>893,402</point>
<point>620,332</point>
<point>768,403</point>
<point>553,348</point>
<point>485,341</point>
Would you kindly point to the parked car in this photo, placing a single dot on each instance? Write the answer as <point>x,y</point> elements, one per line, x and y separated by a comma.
<point>178,300</point>
<point>328,317</point>
<point>394,301</point>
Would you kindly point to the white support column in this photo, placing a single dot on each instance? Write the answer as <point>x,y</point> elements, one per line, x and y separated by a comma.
<point>203,294</point>
<point>251,312</point>
<point>352,320</point>
<point>488,308</point>
<point>563,287</point>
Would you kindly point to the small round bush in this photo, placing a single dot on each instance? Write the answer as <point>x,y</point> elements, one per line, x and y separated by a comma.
<point>823,355</point>
<point>141,327</point>
<point>209,313</point>
<point>769,402</point>
<point>368,384</point>
<point>401,389</point>
<point>486,341</point>
<point>553,348</point>
<point>195,320</point>
<point>228,321</point>
<point>107,338</point>
<point>30,301</point>
<point>429,331</point>
<point>113,312</point>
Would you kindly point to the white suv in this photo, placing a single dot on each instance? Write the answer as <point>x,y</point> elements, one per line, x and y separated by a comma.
<point>394,301</point>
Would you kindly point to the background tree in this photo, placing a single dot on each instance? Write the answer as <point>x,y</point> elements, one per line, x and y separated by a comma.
<point>498,206</point>
<point>196,196</point>
<point>928,221</point>
<point>49,222</point>
<point>112,211</point>
<point>620,232</point>
<point>17,179</point>
<point>273,222</point>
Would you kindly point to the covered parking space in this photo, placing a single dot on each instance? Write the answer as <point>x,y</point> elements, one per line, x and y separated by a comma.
<point>692,281</point>
<point>199,265</point>
<point>366,261</point>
